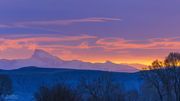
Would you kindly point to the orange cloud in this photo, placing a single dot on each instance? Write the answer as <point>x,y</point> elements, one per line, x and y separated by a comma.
<point>119,43</point>
<point>91,48</point>
<point>33,42</point>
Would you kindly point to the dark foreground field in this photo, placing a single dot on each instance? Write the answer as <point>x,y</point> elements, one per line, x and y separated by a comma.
<point>26,81</point>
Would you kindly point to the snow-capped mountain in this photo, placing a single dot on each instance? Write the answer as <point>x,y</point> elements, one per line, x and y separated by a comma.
<point>41,58</point>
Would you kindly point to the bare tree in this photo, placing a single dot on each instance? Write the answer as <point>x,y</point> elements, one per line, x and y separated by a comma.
<point>56,93</point>
<point>5,87</point>
<point>165,77</point>
<point>102,88</point>
<point>132,95</point>
<point>173,64</point>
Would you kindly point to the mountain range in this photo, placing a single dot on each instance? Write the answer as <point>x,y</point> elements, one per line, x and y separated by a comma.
<point>41,58</point>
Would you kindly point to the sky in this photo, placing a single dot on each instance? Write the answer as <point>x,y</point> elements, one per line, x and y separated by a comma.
<point>121,31</point>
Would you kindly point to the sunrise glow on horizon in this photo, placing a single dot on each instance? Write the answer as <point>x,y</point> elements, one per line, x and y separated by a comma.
<point>86,48</point>
<point>120,31</point>
<point>89,50</point>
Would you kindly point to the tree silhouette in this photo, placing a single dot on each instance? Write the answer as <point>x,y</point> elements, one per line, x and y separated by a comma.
<point>102,88</point>
<point>56,93</point>
<point>5,87</point>
<point>165,77</point>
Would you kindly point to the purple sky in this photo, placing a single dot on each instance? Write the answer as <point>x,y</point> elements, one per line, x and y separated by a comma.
<point>116,29</point>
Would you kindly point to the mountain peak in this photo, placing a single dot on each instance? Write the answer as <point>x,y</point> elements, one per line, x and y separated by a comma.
<point>109,62</point>
<point>41,54</point>
<point>41,58</point>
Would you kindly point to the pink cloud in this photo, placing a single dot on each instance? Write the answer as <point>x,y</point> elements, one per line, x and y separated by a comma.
<point>91,48</point>
<point>60,22</point>
<point>70,21</point>
<point>32,42</point>
<point>155,43</point>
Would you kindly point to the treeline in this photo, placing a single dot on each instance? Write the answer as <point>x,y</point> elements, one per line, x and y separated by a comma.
<point>160,83</point>
<point>164,77</point>
<point>102,88</point>
<point>6,87</point>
